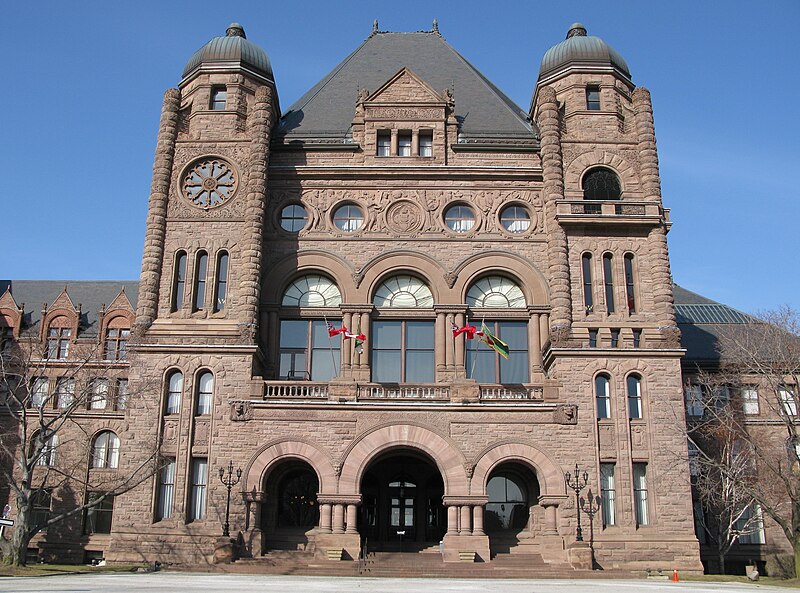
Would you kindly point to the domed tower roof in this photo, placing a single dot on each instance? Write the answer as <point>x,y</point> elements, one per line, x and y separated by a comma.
<point>580,49</point>
<point>231,49</point>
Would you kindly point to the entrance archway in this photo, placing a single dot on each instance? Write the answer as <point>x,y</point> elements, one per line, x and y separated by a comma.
<point>290,510</point>
<point>513,492</point>
<point>401,507</point>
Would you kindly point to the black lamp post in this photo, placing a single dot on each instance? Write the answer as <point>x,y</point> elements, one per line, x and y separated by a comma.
<point>591,505</point>
<point>573,482</point>
<point>229,481</point>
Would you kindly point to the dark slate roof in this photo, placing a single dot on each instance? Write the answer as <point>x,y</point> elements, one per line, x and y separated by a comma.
<point>701,320</point>
<point>89,294</point>
<point>582,50</point>
<point>484,113</point>
<point>232,48</point>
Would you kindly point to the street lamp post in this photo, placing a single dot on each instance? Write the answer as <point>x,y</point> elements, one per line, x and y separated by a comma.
<point>591,505</point>
<point>229,481</point>
<point>573,482</point>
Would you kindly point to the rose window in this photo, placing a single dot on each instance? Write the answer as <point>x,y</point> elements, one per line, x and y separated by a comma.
<point>209,183</point>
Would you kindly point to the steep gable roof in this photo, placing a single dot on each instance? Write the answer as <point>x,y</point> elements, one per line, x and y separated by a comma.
<point>325,112</point>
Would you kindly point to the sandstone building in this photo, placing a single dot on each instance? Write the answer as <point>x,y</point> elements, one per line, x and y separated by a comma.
<point>403,195</point>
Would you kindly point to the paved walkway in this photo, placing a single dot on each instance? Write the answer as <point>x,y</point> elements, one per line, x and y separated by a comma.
<point>185,583</point>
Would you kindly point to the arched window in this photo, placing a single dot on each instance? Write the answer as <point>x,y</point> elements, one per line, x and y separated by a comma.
<point>174,393</point>
<point>608,281</point>
<point>59,334</point>
<point>634,396</point>
<point>179,281</point>
<point>105,451</point>
<point>508,506</point>
<point>601,183</point>
<point>205,393</point>
<point>586,271</point>
<point>297,499</point>
<point>629,286</point>
<point>602,395</point>
<point>495,291</point>
<point>200,270</point>
<point>403,292</point>
<point>221,285</point>
<point>312,290</point>
<point>117,335</point>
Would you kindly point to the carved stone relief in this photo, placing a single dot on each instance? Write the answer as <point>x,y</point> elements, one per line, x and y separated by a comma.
<point>241,411</point>
<point>565,414</point>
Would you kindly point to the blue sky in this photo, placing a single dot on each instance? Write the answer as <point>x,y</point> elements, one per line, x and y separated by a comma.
<point>84,83</point>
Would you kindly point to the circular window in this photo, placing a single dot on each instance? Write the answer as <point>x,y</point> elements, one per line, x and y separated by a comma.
<point>348,218</point>
<point>515,219</point>
<point>459,218</point>
<point>293,218</point>
<point>209,183</point>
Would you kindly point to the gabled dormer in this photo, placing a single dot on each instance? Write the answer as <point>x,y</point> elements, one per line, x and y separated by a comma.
<point>404,122</point>
<point>59,328</point>
<point>10,317</point>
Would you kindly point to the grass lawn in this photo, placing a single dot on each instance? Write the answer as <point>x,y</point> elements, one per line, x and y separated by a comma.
<point>37,570</point>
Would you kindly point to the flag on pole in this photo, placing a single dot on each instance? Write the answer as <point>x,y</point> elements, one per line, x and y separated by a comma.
<point>360,338</point>
<point>332,331</point>
<point>469,330</point>
<point>493,341</point>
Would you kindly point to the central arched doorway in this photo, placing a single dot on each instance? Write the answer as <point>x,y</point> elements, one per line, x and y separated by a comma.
<point>401,508</point>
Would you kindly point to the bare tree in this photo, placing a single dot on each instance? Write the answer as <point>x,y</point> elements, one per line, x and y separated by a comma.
<point>48,413</point>
<point>747,431</point>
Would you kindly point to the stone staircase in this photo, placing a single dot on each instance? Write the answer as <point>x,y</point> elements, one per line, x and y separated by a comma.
<point>415,565</point>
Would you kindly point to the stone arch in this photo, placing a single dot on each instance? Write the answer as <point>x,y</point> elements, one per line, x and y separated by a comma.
<point>370,446</point>
<point>281,274</point>
<point>574,172</point>
<point>549,474</point>
<point>530,279</point>
<point>273,452</point>
<point>400,262</point>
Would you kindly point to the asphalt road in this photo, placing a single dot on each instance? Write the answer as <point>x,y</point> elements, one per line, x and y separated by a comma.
<point>193,582</point>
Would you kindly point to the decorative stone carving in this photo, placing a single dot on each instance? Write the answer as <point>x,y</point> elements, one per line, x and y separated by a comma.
<point>170,434</point>
<point>450,278</point>
<point>358,278</point>
<point>404,217</point>
<point>565,414</point>
<point>241,411</point>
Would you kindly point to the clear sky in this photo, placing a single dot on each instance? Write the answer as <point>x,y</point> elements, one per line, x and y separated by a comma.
<point>84,81</point>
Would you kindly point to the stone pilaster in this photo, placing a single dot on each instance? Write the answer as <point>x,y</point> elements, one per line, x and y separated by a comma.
<point>262,120</point>
<point>153,258</point>
<point>658,263</point>
<point>553,173</point>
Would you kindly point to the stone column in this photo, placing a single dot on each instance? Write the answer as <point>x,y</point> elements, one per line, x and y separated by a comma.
<point>261,120</point>
<point>544,327</point>
<point>477,520</point>
<point>459,346</point>
<point>551,520</point>
<point>450,342</point>
<point>347,347</point>
<point>364,357</point>
<point>535,340</point>
<point>351,519</point>
<point>440,341</point>
<point>452,520</point>
<point>393,149</point>
<point>325,517</point>
<point>273,344</point>
<point>153,258</point>
<point>658,264</point>
<point>465,526</point>
<point>415,143</point>
<point>338,518</point>
<point>557,254</point>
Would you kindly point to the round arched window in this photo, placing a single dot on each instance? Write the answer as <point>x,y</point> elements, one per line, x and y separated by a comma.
<point>515,219</point>
<point>601,184</point>
<point>312,291</point>
<point>348,218</point>
<point>403,292</point>
<point>459,218</point>
<point>495,291</point>
<point>293,218</point>
<point>508,502</point>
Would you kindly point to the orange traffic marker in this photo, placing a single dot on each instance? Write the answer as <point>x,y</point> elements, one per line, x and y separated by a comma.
<point>675,578</point>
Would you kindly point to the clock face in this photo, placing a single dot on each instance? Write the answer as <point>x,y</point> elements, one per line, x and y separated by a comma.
<point>209,183</point>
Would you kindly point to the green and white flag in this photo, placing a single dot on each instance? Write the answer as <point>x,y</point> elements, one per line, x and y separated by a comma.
<point>493,341</point>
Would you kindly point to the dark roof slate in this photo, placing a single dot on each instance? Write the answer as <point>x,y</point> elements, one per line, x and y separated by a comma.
<point>326,112</point>
<point>89,294</point>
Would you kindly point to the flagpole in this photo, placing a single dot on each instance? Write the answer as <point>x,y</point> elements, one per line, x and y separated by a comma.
<point>474,355</point>
<point>330,347</point>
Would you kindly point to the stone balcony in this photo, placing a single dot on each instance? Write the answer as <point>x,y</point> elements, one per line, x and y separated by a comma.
<point>464,391</point>
<point>611,212</point>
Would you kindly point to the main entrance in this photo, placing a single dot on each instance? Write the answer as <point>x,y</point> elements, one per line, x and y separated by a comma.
<point>401,507</point>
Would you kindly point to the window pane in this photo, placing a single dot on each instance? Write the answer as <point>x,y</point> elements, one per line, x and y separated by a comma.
<point>419,366</point>
<point>386,334</point>
<point>484,361</point>
<point>419,334</point>
<point>515,369</point>
<point>324,363</point>
<point>386,366</point>
<point>294,334</point>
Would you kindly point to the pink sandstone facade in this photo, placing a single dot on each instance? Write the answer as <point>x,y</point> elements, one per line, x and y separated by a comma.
<point>427,207</point>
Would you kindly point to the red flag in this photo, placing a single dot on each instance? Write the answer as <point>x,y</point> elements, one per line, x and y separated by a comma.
<point>332,331</point>
<point>469,330</point>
